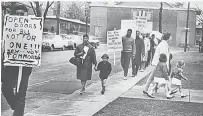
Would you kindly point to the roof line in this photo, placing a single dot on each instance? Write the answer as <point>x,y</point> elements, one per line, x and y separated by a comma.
<point>140,7</point>
<point>71,20</point>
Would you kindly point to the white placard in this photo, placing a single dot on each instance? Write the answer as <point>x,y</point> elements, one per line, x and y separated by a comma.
<point>141,25</point>
<point>114,41</point>
<point>23,39</point>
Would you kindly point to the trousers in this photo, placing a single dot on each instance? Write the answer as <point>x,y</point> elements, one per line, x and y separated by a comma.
<point>125,62</point>
<point>150,78</point>
<point>9,80</point>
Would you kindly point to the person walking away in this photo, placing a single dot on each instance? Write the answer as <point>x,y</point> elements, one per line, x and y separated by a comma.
<point>161,77</point>
<point>139,43</point>
<point>147,48</point>
<point>105,69</point>
<point>87,52</point>
<point>9,77</point>
<point>176,76</point>
<point>152,46</point>
<point>149,52</point>
<point>127,53</point>
<point>162,48</point>
<point>201,46</point>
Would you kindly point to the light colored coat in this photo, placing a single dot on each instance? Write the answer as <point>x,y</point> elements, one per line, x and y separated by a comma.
<point>163,47</point>
<point>147,48</point>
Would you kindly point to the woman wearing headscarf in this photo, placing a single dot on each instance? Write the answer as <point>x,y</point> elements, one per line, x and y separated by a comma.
<point>87,53</point>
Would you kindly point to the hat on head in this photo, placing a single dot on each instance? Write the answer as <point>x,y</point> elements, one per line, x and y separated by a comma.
<point>105,56</point>
<point>166,36</point>
<point>180,63</point>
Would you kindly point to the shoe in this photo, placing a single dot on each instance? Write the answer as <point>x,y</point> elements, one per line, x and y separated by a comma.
<point>103,90</point>
<point>82,91</point>
<point>170,97</point>
<point>125,78</point>
<point>141,70</point>
<point>145,92</point>
<point>173,92</point>
<point>133,75</point>
<point>150,96</point>
<point>182,96</point>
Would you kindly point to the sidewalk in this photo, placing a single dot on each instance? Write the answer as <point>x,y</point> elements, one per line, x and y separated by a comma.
<point>92,101</point>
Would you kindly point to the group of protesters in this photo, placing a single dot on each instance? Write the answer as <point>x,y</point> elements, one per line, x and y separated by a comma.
<point>140,50</point>
<point>144,51</point>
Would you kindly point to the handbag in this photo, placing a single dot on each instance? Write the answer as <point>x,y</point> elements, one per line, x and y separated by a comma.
<point>75,61</point>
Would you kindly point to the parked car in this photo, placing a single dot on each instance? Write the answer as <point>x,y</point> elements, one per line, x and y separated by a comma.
<point>52,42</point>
<point>94,41</point>
<point>76,40</point>
<point>69,41</point>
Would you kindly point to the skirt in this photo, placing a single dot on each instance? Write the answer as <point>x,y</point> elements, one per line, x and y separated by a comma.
<point>160,80</point>
<point>176,81</point>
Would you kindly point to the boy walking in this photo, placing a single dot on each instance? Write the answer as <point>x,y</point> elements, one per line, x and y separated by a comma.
<point>105,69</point>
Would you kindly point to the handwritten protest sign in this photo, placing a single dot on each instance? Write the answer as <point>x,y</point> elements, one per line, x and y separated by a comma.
<point>23,39</point>
<point>114,41</point>
<point>141,25</point>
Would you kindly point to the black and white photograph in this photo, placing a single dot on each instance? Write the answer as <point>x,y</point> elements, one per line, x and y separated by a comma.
<point>101,58</point>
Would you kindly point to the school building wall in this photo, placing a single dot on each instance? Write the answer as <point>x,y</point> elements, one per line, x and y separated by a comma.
<point>173,21</point>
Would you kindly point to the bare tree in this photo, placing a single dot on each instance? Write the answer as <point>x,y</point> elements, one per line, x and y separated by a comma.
<point>76,10</point>
<point>37,8</point>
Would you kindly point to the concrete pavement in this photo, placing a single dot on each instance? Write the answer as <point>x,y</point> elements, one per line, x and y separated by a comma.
<point>92,101</point>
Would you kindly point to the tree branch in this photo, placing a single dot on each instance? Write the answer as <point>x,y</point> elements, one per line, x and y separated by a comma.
<point>33,8</point>
<point>39,14</point>
<point>51,4</point>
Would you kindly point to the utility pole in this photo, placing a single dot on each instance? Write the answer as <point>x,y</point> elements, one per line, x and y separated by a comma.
<point>160,17</point>
<point>187,26</point>
<point>86,14</point>
<point>58,18</point>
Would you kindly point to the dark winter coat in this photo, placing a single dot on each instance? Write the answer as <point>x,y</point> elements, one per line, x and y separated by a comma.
<point>84,71</point>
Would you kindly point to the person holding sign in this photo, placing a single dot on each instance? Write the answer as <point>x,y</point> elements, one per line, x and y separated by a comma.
<point>15,97</point>
<point>140,51</point>
<point>127,53</point>
<point>87,52</point>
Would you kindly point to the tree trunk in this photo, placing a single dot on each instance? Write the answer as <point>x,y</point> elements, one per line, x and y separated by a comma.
<point>39,13</point>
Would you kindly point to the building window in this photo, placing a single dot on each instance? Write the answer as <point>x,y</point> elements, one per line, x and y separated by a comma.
<point>98,30</point>
<point>198,33</point>
<point>141,13</point>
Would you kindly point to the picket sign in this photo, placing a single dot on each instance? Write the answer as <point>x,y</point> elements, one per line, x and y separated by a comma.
<point>114,42</point>
<point>22,36</point>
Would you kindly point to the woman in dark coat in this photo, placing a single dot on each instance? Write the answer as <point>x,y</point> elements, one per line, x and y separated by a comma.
<point>88,55</point>
<point>140,51</point>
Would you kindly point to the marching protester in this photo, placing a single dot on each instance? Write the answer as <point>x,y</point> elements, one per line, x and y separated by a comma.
<point>152,46</point>
<point>128,53</point>
<point>161,77</point>
<point>163,47</point>
<point>176,76</point>
<point>87,52</point>
<point>149,52</point>
<point>147,48</point>
<point>9,77</point>
<point>105,69</point>
<point>201,46</point>
<point>139,44</point>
